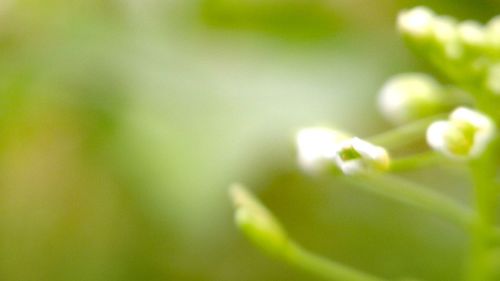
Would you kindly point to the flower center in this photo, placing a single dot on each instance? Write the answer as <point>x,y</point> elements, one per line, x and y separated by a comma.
<point>460,137</point>
<point>349,153</point>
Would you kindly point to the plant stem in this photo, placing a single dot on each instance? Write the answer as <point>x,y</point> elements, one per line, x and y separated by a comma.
<point>412,162</point>
<point>483,175</point>
<point>265,230</point>
<point>405,134</point>
<point>413,194</point>
<point>327,269</point>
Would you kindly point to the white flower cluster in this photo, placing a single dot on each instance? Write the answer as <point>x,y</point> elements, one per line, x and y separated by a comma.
<point>320,148</point>
<point>465,135</point>
<point>411,96</point>
<point>467,51</point>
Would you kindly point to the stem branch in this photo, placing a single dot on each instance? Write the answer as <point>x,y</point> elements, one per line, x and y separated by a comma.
<point>405,134</point>
<point>413,194</point>
<point>482,245</point>
<point>325,268</point>
<point>421,160</point>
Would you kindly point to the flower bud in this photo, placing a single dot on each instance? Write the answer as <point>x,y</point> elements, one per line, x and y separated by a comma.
<point>493,33</point>
<point>257,223</point>
<point>465,135</point>
<point>417,23</point>
<point>410,96</point>
<point>356,155</point>
<point>472,34</point>
<point>316,148</point>
<point>446,36</point>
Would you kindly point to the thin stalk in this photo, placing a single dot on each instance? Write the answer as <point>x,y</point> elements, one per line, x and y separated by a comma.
<point>480,266</point>
<point>327,269</point>
<point>415,195</point>
<point>405,134</point>
<point>413,162</point>
<point>265,231</point>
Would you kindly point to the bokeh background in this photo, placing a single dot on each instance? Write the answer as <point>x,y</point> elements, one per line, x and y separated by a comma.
<point>122,123</point>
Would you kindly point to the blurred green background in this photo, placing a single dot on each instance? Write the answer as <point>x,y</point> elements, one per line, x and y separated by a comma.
<point>123,122</point>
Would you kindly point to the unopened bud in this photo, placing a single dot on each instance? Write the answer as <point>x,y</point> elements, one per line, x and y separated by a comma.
<point>472,34</point>
<point>493,33</point>
<point>257,222</point>
<point>417,23</point>
<point>410,96</point>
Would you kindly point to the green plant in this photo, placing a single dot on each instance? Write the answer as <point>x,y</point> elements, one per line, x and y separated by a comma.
<point>468,54</point>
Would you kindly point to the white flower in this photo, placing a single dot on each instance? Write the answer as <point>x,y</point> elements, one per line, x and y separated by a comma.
<point>493,32</point>
<point>466,134</point>
<point>472,34</point>
<point>417,22</point>
<point>316,147</point>
<point>410,96</point>
<point>356,155</point>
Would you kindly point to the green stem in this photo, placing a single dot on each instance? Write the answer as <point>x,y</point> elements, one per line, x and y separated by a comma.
<point>405,134</point>
<point>327,269</point>
<point>483,174</point>
<point>421,160</point>
<point>266,232</point>
<point>413,194</point>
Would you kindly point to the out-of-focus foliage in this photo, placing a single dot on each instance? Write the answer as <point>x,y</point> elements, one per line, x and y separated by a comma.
<point>293,18</point>
<point>122,123</point>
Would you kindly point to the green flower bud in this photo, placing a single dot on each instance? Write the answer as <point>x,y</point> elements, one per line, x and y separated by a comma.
<point>257,222</point>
